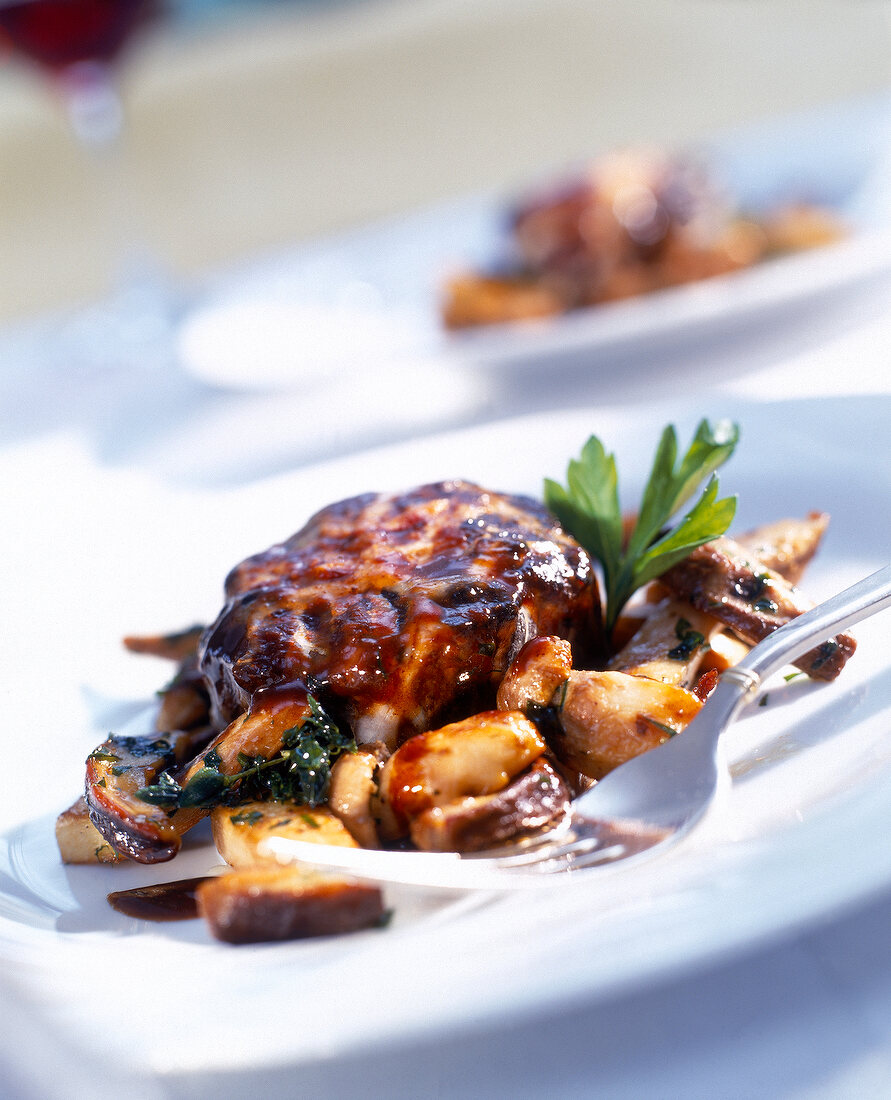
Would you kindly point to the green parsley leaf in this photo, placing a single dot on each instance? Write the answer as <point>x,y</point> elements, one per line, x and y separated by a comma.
<point>588,507</point>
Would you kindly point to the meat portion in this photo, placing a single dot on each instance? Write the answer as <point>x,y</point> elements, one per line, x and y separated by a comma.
<point>399,611</point>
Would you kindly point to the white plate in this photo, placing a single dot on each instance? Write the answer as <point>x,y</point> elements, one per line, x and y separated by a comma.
<point>370,297</point>
<point>803,831</point>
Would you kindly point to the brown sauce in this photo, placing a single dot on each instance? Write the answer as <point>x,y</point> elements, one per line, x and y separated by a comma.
<point>162,902</point>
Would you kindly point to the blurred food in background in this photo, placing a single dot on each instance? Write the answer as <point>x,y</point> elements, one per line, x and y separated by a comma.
<point>638,221</point>
<point>255,126</point>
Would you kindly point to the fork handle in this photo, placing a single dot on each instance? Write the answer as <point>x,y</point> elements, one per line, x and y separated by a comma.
<point>865,598</point>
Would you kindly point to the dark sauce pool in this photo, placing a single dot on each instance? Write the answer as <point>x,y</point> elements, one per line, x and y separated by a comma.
<point>162,902</point>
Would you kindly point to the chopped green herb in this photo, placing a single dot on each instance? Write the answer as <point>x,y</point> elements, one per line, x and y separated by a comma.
<point>588,506</point>
<point>689,641</point>
<point>764,604</point>
<point>825,653</point>
<point>660,726</point>
<point>248,817</point>
<point>164,792</point>
<point>762,702</point>
<point>309,820</point>
<point>793,676</point>
<point>102,755</point>
<point>301,772</point>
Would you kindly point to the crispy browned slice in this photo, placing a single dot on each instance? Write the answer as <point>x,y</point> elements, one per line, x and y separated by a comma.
<point>532,800</point>
<point>788,545</point>
<point>266,904</point>
<point>238,831</point>
<point>79,840</point>
<point>119,768</point>
<point>607,718</point>
<point>723,579</point>
<point>178,646</point>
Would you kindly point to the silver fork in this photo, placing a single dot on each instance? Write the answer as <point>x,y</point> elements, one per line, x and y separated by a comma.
<point>647,803</point>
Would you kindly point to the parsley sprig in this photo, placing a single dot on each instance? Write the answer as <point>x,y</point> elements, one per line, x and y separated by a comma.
<point>299,772</point>
<point>588,506</point>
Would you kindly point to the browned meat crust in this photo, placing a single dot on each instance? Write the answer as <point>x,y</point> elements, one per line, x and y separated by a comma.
<point>729,583</point>
<point>400,610</point>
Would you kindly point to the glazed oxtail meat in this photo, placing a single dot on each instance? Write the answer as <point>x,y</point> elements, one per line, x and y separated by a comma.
<point>398,611</point>
<point>390,615</point>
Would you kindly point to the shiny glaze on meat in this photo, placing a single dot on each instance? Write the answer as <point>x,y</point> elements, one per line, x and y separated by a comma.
<point>399,610</point>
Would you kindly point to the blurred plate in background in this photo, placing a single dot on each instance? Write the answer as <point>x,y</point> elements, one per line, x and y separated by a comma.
<point>371,296</point>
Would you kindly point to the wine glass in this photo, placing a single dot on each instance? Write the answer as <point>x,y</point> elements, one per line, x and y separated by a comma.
<point>78,45</point>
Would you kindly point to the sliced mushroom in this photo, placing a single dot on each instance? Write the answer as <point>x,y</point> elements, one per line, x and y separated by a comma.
<point>116,771</point>
<point>477,756</point>
<point>540,667</point>
<point>184,702</point>
<point>787,545</point>
<point>259,732</point>
<point>352,790</point>
<point>722,579</point>
<point>534,799</point>
<point>669,645</point>
<point>178,646</point>
<point>606,718</point>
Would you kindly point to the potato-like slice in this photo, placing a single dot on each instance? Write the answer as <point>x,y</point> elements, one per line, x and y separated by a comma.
<point>119,768</point>
<point>607,718</point>
<point>265,904</point>
<point>479,755</point>
<point>79,840</point>
<point>238,831</point>
<point>532,800</point>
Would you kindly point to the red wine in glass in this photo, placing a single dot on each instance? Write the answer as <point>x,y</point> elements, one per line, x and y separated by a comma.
<point>59,33</point>
<point>76,44</point>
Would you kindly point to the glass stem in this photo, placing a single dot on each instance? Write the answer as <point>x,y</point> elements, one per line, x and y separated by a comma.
<point>94,109</point>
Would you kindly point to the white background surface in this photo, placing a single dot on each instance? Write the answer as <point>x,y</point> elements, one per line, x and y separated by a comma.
<point>111,460</point>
